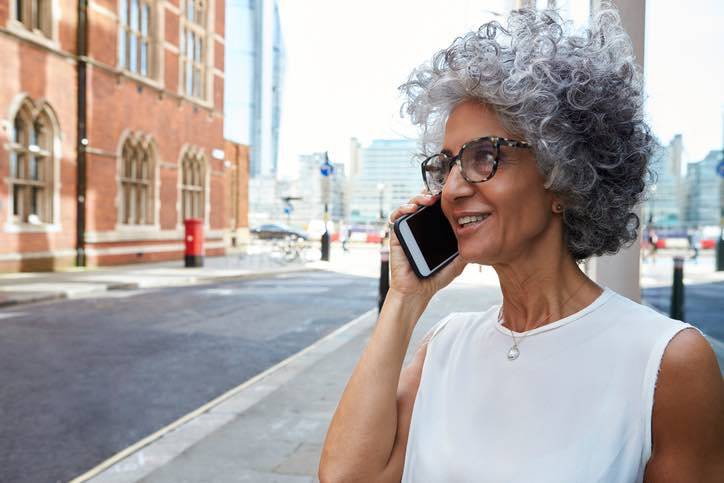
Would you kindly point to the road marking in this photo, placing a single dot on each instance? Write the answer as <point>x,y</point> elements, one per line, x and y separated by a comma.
<point>9,315</point>
<point>123,454</point>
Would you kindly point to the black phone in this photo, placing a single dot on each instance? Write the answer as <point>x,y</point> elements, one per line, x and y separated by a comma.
<point>427,239</point>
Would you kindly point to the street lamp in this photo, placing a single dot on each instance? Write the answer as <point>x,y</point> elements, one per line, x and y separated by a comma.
<point>381,190</point>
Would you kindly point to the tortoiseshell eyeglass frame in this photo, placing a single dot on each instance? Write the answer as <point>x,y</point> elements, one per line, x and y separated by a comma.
<point>457,159</point>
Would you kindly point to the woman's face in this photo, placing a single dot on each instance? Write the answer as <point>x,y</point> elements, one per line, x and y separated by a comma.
<point>520,209</point>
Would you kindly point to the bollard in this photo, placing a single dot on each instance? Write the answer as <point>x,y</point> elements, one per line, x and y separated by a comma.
<point>384,274</point>
<point>720,254</point>
<point>677,290</point>
<point>325,246</point>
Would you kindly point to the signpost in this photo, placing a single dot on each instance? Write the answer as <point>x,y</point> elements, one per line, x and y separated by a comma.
<point>326,169</point>
<point>288,207</point>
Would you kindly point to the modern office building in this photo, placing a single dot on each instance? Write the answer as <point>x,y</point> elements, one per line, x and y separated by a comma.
<point>388,176</point>
<point>666,205</point>
<point>704,192</point>
<point>111,131</point>
<point>254,59</point>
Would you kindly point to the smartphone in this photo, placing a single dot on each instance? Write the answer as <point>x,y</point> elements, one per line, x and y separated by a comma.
<point>427,239</point>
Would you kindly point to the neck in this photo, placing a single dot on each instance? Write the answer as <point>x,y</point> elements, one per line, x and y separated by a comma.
<point>541,288</point>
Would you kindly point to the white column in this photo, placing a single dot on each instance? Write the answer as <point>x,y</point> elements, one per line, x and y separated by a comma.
<point>620,272</point>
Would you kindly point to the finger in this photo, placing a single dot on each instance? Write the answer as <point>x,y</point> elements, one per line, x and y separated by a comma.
<point>423,199</point>
<point>403,210</point>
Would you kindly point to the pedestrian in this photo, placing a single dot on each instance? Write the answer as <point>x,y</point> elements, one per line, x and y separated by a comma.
<point>535,142</point>
<point>695,243</point>
<point>653,242</point>
<point>346,233</point>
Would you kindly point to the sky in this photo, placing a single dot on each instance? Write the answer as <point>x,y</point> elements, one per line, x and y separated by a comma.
<point>345,60</point>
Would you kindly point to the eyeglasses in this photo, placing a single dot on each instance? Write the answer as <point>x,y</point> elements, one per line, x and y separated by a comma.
<point>478,161</point>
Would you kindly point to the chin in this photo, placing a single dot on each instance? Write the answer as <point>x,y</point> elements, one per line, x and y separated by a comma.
<point>474,255</point>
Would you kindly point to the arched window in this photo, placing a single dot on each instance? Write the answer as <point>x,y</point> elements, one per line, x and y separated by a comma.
<point>31,165</point>
<point>193,181</point>
<point>193,48</point>
<point>137,176</point>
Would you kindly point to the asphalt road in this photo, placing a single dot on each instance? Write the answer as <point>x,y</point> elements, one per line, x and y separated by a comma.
<point>81,380</point>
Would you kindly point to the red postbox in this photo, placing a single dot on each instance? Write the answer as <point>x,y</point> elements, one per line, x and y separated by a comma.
<point>194,242</point>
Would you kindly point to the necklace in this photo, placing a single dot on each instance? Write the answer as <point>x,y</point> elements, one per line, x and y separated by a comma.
<point>514,351</point>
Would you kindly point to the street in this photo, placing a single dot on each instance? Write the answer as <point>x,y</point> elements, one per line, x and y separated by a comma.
<point>86,378</point>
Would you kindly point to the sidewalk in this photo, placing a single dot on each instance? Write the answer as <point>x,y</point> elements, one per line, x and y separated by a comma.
<point>20,288</point>
<point>271,428</point>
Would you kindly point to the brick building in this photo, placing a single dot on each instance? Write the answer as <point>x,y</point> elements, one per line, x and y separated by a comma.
<point>111,131</point>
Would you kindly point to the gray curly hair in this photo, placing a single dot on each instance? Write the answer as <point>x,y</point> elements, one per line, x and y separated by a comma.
<point>577,97</point>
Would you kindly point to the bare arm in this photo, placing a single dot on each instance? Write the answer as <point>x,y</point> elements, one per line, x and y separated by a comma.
<point>367,437</point>
<point>406,394</point>
<point>688,414</point>
<point>363,435</point>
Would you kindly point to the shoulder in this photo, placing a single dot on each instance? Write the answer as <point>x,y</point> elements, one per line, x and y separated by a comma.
<point>687,418</point>
<point>456,322</point>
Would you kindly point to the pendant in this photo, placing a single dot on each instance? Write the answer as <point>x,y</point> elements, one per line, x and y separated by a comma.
<point>513,353</point>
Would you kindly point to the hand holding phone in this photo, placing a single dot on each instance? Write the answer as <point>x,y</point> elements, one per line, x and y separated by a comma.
<point>427,239</point>
<point>403,278</point>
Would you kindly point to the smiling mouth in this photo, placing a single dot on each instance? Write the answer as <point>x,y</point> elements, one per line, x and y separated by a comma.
<point>472,219</point>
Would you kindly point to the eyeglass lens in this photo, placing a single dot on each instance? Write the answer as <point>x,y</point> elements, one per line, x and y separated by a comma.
<point>477,160</point>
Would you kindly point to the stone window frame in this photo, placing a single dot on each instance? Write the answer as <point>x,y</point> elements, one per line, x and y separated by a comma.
<point>195,19</point>
<point>34,15</point>
<point>47,34</point>
<point>193,174</point>
<point>21,183</point>
<point>189,151</point>
<point>134,150</point>
<point>132,38</point>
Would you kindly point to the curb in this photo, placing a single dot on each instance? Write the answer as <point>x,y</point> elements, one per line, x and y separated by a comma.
<point>32,298</point>
<point>228,397</point>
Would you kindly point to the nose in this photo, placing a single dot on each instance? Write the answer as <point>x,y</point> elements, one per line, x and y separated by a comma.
<point>455,186</point>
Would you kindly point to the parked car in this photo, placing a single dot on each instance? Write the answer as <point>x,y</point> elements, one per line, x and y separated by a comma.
<point>275,231</point>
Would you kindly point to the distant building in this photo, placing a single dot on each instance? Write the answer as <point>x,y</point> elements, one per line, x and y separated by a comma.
<point>309,187</point>
<point>255,61</point>
<point>265,205</point>
<point>667,197</point>
<point>388,176</point>
<point>704,193</point>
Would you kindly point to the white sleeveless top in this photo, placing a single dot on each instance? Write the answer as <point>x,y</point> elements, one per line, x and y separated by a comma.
<point>575,406</point>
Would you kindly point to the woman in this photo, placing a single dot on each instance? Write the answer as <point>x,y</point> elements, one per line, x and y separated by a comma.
<point>535,144</point>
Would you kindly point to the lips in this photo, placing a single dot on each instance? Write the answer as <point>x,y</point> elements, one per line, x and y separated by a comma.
<point>468,223</point>
<point>464,220</point>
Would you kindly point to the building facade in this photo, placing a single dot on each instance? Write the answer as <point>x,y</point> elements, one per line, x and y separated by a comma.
<point>388,176</point>
<point>666,205</point>
<point>255,59</point>
<point>704,192</point>
<point>311,190</point>
<point>112,130</point>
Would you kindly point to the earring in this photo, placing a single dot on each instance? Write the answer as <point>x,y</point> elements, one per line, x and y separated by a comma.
<point>559,208</point>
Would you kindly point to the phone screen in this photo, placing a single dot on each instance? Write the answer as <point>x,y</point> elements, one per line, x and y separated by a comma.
<point>433,235</point>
